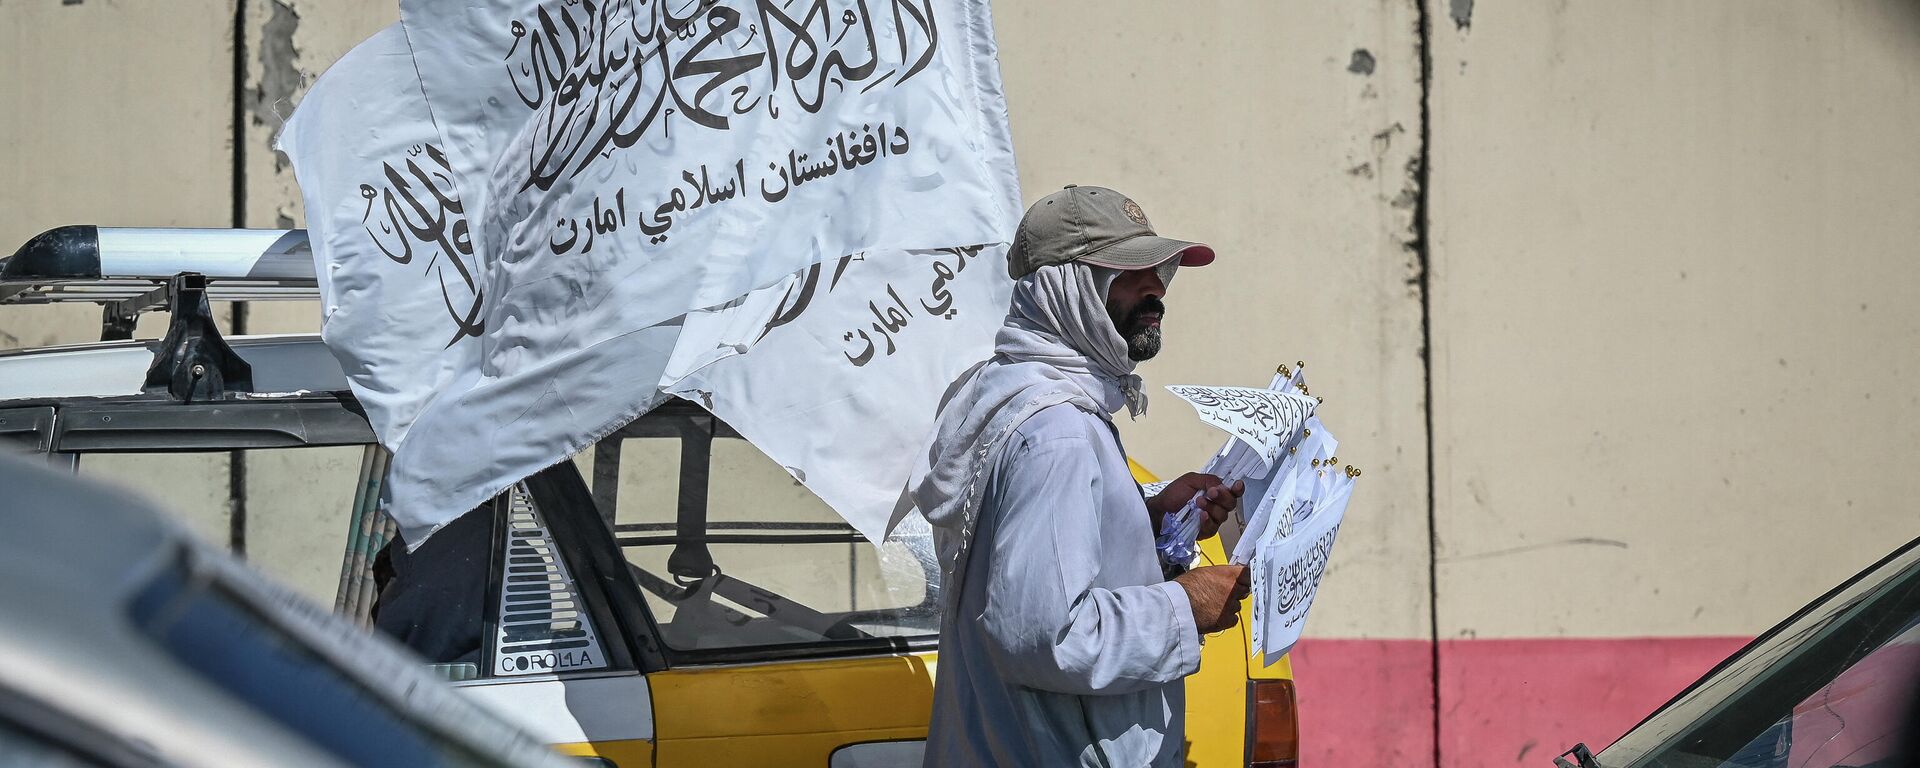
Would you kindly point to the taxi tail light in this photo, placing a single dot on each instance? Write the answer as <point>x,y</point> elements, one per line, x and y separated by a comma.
<point>1273,725</point>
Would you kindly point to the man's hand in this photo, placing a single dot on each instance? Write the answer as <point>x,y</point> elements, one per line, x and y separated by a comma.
<point>1215,592</point>
<point>1217,501</point>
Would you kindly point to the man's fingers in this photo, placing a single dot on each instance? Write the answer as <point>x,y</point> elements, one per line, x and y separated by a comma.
<point>1218,497</point>
<point>1223,497</point>
<point>1209,527</point>
<point>1239,488</point>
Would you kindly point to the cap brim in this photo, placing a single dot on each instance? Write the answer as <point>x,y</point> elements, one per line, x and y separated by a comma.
<point>1147,251</point>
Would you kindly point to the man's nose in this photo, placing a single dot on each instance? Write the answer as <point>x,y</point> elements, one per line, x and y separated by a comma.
<point>1154,287</point>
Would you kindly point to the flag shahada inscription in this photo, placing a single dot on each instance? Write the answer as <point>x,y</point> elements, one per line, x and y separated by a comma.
<point>414,209</point>
<point>1267,421</point>
<point>602,76</point>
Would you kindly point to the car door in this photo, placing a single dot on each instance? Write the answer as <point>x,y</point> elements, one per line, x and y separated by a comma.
<point>292,461</point>
<point>785,637</point>
<point>563,650</point>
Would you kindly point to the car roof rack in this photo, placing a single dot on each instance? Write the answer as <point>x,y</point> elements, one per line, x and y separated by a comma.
<point>130,270</point>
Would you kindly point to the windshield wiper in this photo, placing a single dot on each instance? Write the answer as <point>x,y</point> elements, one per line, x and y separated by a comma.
<point>1580,753</point>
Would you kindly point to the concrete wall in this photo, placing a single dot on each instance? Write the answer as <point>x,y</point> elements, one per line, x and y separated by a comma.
<point>1654,284</point>
<point>1673,316</point>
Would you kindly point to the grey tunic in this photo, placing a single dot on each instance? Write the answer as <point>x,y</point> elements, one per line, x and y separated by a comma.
<point>1067,646</point>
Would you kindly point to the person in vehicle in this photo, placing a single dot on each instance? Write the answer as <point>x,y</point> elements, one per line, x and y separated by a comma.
<point>1063,643</point>
<point>433,599</point>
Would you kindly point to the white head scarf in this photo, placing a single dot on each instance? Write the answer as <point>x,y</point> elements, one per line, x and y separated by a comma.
<point>1058,346</point>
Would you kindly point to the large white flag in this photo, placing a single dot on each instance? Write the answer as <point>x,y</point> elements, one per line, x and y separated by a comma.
<point>517,204</point>
<point>851,368</point>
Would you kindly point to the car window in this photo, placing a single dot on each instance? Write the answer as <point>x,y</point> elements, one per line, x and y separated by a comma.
<point>544,624</point>
<point>731,552</point>
<point>299,503</point>
<point>1855,720</point>
<point>1834,687</point>
<point>193,487</point>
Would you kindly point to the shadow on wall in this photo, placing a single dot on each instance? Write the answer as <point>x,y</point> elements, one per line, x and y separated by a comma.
<point>1908,16</point>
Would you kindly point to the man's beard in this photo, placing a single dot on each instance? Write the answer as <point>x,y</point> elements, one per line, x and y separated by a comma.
<point>1142,346</point>
<point>1143,340</point>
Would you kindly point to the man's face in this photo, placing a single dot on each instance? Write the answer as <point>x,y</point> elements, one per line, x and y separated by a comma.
<point>1133,303</point>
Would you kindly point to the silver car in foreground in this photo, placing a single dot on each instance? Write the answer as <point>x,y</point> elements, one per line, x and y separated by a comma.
<point>124,641</point>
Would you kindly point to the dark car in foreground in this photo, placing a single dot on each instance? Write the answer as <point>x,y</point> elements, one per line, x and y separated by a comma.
<point>1834,686</point>
<point>125,641</point>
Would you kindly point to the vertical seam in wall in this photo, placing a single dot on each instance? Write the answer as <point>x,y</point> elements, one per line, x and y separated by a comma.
<point>1423,250</point>
<point>237,460</point>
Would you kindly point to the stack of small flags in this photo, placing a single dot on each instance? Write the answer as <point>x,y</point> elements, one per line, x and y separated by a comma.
<point>1296,496</point>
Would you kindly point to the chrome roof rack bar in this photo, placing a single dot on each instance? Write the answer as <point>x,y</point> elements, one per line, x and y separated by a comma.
<point>131,270</point>
<point>107,291</point>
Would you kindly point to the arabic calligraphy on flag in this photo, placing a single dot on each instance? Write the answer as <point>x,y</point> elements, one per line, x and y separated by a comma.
<point>1296,498</point>
<point>1263,419</point>
<point>533,218</point>
<point>880,337</point>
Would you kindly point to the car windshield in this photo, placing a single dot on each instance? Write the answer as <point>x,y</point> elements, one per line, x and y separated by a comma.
<point>1833,686</point>
<point>731,552</point>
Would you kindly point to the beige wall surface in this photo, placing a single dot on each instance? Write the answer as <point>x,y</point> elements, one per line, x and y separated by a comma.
<point>1674,307</point>
<point>83,78</point>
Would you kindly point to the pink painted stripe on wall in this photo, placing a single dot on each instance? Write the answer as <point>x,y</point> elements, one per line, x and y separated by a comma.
<point>1504,702</point>
<point>1364,702</point>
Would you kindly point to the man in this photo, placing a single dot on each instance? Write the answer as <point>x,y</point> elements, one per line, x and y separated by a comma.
<point>1063,644</point>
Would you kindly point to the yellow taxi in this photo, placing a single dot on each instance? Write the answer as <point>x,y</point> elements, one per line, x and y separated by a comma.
<point>672,598</point>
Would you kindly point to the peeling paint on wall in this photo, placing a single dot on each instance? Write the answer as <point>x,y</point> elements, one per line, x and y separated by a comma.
<point>1362,63</point>
<point>272,99</point>
<point>1462,11</point>
<point>1383,140</point>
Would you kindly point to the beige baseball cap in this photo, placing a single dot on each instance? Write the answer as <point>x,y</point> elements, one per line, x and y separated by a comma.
<point>1097,226</point>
